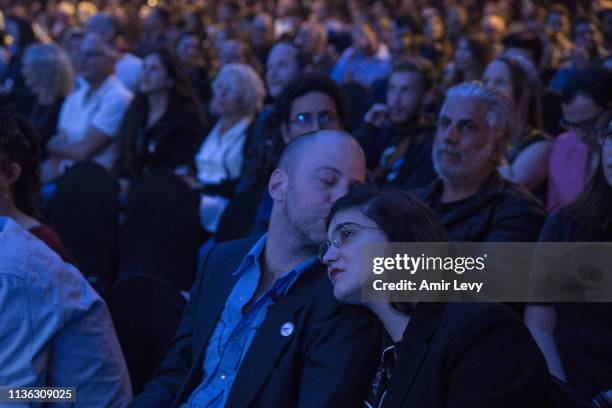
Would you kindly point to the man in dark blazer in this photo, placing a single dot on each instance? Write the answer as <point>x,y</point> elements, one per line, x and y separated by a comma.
<point>299,346</point>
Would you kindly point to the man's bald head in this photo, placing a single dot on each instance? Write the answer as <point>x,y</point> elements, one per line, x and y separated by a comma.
<point>314,143</point>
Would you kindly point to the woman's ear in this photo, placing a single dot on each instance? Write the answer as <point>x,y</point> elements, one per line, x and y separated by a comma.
<point>277,186</point>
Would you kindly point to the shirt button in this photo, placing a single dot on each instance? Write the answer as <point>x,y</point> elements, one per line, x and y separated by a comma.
<point>223,377</point>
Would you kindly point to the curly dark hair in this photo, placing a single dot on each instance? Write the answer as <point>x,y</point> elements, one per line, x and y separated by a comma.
<point>20,144</point>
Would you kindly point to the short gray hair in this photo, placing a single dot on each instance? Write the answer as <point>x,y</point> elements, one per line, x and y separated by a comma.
<point>52,67</point>
<point>248,83</point>
<point>501,113</point>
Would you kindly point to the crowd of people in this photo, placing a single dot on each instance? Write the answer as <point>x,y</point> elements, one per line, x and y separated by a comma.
<point>185,187</point>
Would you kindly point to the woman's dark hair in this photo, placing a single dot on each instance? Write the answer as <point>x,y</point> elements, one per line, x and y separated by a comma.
<point>306,84</point>
<point>526,99</point>
<point>19,144</point>
<point>592,208</point>
<point>399,214</point>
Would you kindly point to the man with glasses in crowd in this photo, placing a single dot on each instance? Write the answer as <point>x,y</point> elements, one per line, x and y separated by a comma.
<point>308,104</point>
<point>574,156</point>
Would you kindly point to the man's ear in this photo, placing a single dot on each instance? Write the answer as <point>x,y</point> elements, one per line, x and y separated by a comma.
<point>277,186</point>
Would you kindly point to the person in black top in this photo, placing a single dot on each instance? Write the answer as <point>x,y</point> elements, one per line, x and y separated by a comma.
<point>434,354</point>
<point>575,337</point>
<point>164,125</point>
<point>471,198</point>
<point>394,136</point>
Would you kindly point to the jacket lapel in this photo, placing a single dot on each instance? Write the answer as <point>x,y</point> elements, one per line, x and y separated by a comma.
<point>216,290</point>
<point>411,352</point>
<point>263,353</point>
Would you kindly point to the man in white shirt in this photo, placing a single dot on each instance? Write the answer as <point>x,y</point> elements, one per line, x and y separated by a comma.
<point>128,66</point>
<point>90,115</point>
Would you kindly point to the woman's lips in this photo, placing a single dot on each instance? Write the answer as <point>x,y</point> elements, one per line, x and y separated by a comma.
<point>333,273</point>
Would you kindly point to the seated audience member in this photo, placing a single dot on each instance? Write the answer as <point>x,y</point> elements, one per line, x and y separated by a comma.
<point>575,337</point>
<point>587,39</point>
<point>435,46</point>
<point>238,94</point>
<point>472,54</point>
<point>163,126</point>
<point>285,64</point>
<point>586,101</point>
<point>433,354</point>
<point>557,32</point>
<point>228,350</point>
<point>193,56</point>
<point>56,330</point>
<point>495,28</point>
<point>91,114</point>
<point>365,61</point>
<point>13,90</point>
<point>394,136</point>
<point>20,197</point>
<point>526,162</point>
<point>48,73</point>
<point>472,199</point>
<point>127,66</point>
<point>307,104</point>
<point>312,40</point>
<point>261,32</point>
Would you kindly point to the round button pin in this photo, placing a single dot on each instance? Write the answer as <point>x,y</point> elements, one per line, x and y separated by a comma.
<point>286,329</point>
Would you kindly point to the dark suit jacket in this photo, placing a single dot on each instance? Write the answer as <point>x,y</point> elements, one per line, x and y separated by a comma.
<point>472,355</point>
<point>331,353</point>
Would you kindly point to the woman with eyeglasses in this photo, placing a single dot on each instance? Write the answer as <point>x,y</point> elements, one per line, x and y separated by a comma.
<point>576,337</point>
<point>434,354</point>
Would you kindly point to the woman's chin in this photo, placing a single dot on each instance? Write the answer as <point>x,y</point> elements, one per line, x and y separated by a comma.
<point>346,296</point>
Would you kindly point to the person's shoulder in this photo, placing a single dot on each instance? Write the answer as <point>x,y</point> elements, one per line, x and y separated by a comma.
<point>115,89</point>
<point>26,257</point>
<point>129,59</point>
<point>514,195</point>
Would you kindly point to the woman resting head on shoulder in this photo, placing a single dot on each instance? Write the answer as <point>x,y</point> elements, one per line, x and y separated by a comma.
<point>435,354</point>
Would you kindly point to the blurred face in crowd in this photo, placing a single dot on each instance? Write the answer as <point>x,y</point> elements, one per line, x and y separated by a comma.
<point>282,67</point>
<point>232,51</point>
<point>95,63</point>
<point>587,35</point>
<point>187,49</point>
<point>434,27</point>
<point>310,38</point>
<point>225,13</point>
<point>154,76</point>
<point>310,112</point>
<point>494,27</point>
<point>364,39</point>
<point>324,171</point>
<point>465,149</point>
<point>605,139</point>
<point>582,116</point>
<point>226,95</point>
<point>557,23</point>
<point>497,76</point>
<point>464,57</point>
<point>351,229</point>
<point>262,31</point>
<point>404,96</point>
<point>100,24</point>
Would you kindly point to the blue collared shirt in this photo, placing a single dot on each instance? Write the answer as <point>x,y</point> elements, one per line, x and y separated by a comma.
<point>55,330</point>
<point>235,330</point>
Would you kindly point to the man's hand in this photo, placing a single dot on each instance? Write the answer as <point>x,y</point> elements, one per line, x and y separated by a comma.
<point>377,115</point>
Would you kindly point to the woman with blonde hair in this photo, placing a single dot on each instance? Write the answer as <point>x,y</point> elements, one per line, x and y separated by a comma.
<point>48,74</point>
